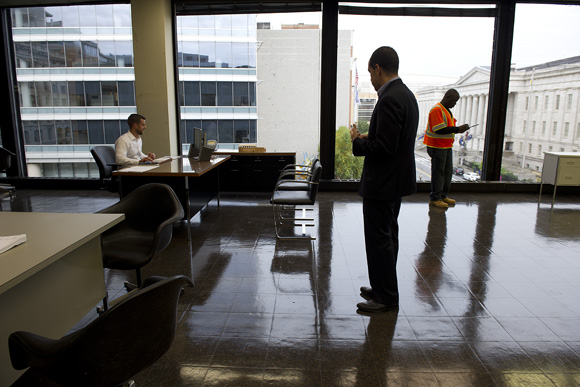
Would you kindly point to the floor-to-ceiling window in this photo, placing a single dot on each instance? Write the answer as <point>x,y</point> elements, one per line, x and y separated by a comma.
<point>544,90</point>
<point>251,78</point>
<point>74,68</point>
<point>444,49</point>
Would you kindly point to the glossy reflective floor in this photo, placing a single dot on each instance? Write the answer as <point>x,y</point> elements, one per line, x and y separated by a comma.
<point>489,289</point>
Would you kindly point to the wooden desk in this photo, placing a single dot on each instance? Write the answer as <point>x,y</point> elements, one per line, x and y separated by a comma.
<point>194,182</point>
<point>560,168</point>
<point>49,283</point>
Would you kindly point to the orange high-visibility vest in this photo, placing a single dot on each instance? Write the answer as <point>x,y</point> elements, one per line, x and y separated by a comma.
<point>439,118</point>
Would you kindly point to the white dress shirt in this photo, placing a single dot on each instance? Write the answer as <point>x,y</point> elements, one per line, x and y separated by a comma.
<point>128,150</point>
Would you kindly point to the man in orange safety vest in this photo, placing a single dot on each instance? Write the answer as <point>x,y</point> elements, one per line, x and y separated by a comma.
<point>439,137</point>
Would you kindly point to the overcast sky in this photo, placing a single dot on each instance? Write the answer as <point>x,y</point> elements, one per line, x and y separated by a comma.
<point>542,33</point>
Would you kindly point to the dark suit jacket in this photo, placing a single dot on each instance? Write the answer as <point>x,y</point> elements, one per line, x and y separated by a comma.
<point>389,166</point>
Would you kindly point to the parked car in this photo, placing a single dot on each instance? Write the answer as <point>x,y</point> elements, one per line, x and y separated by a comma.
<point>471,176</point>
<point>458,171</point>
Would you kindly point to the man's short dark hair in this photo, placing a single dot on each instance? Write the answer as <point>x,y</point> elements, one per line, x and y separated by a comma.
<point>134,119</point>
<point>387,59</point>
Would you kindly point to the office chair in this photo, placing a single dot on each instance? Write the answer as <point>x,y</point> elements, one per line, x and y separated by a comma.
<point>117,345</point>
<point>297,179</point>
<point>5,163</point>
<point>281,199</point>
<point>105,158</point>
<point>150,212</point>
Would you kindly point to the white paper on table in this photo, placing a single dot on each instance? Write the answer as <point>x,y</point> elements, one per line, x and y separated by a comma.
<point>9,241</point>
<point>139,168</point>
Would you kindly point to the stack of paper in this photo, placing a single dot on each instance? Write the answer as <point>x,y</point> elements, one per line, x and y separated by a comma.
<point>8,242</point>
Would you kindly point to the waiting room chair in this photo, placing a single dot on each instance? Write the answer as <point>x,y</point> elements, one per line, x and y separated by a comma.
<point>105,158</point>
<point>150,212</point>
<point>297,179</point>
<point>282,199</point>
<point>117,345</point>
<point>5,163</point>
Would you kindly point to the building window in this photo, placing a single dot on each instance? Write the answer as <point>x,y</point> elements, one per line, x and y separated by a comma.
<point>530,148</point>
<point>554,128</point>
<point>536,100</point>
<point>65,64</point>
<point>566,129</point>
<point>539,150</point>
<point>533,127</point>
<point>569,104</point>
<point>543,128</point>
<point>527,102</point>
<point>524,127</point>
<point>546,102</point>
<point>557,107</point>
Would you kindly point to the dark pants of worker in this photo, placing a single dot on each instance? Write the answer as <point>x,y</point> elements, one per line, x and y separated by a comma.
<point>441,172</point>
<point>382,247</point>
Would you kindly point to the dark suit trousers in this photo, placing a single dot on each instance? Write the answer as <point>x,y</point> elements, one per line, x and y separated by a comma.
<point>382,246</point>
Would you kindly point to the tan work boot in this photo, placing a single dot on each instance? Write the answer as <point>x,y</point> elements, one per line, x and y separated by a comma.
<point>438,203</point>
<point>449,201</point>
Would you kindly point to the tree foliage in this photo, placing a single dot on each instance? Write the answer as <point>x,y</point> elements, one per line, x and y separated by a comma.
<point>347,166</point>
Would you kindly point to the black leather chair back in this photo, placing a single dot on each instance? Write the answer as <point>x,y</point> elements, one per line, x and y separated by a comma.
<point>315,179</point>
<point>105,158</point>
<point>126,339</point>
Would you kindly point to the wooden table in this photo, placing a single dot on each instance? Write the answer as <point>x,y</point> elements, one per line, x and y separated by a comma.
<point>49,283</point>
<point>195,183</point>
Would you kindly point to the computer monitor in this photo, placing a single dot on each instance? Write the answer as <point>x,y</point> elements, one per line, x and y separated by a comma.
<point>197,143</point>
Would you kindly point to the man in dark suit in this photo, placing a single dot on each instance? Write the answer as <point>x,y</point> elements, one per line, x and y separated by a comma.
<point>388,175</point>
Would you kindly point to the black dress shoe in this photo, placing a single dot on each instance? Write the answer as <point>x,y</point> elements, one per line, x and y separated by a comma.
<point>366,293</point>
<point>371,306</point>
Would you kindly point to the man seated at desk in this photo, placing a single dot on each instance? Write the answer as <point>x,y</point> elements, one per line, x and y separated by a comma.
<point>128,147</point>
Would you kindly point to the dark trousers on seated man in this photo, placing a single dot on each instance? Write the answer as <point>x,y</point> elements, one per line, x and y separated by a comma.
<point>441,172</point>
<point>382,248</point>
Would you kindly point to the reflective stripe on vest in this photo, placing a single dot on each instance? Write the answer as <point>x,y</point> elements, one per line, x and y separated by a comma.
<point>434,140</point>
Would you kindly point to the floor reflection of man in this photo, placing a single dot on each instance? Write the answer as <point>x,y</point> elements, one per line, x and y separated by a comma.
<point>430,261</point>
<point>376,355</point>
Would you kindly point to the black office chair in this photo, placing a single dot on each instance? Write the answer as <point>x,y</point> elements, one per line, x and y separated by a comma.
<point>282,199</point>
<point>105,158</point>
<point>5,163</point>
<point>150,212</point>
<point>117,345</point>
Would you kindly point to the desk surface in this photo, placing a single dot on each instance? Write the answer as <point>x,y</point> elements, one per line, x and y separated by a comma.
<point>49,237</point>
<point>182,166</point>
<point>238,153</point>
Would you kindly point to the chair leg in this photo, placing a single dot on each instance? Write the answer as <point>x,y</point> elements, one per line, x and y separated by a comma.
<point>279,221</point>
<point>129,286</point>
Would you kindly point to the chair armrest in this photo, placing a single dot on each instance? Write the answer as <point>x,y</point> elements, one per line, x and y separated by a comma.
<point>294,173</point>
<point>305,182</point>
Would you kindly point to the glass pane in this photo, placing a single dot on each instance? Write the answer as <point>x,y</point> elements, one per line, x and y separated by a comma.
<point>80,132</point>
<point>31,132</point>
<point>226,131</point>
<point>59,94</point>
<point>223,54</point>
<point>467,56</point>
<point>543,107</point>
<point>112,131</point>
<point>124,53</point>
<point>27,94</point>
<point>53,15</point>
<point>43,94</point>
<point>190,54</point>
<point>208,93</point>
<point>126,93</point>
<point>70,17</point>
<point>73,54</point>
<point>23,53</point>
<point>39,54</point>
<point>56,55</point>
<point>122,15</point>
<point>63,132</point>
<point>104,15</point>
<point>192,93</point>
<point>76,92</point>
<point>207,54</point>
<point>109,93</point>
<point>106,50</point>
<point>225,97</point>
<point>96,133</point>
<point>90,54</point>
<point>93,93</point>
<point>209,128</point>
<point>47,132</point>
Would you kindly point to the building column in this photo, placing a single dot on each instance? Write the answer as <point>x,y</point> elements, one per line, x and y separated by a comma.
<point>481,115</point>
<point>474,110</point>
<point>155,74</point>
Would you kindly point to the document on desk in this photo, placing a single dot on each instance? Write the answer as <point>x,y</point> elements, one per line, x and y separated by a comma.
<point>140,168</point>
<point>10,241</point>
